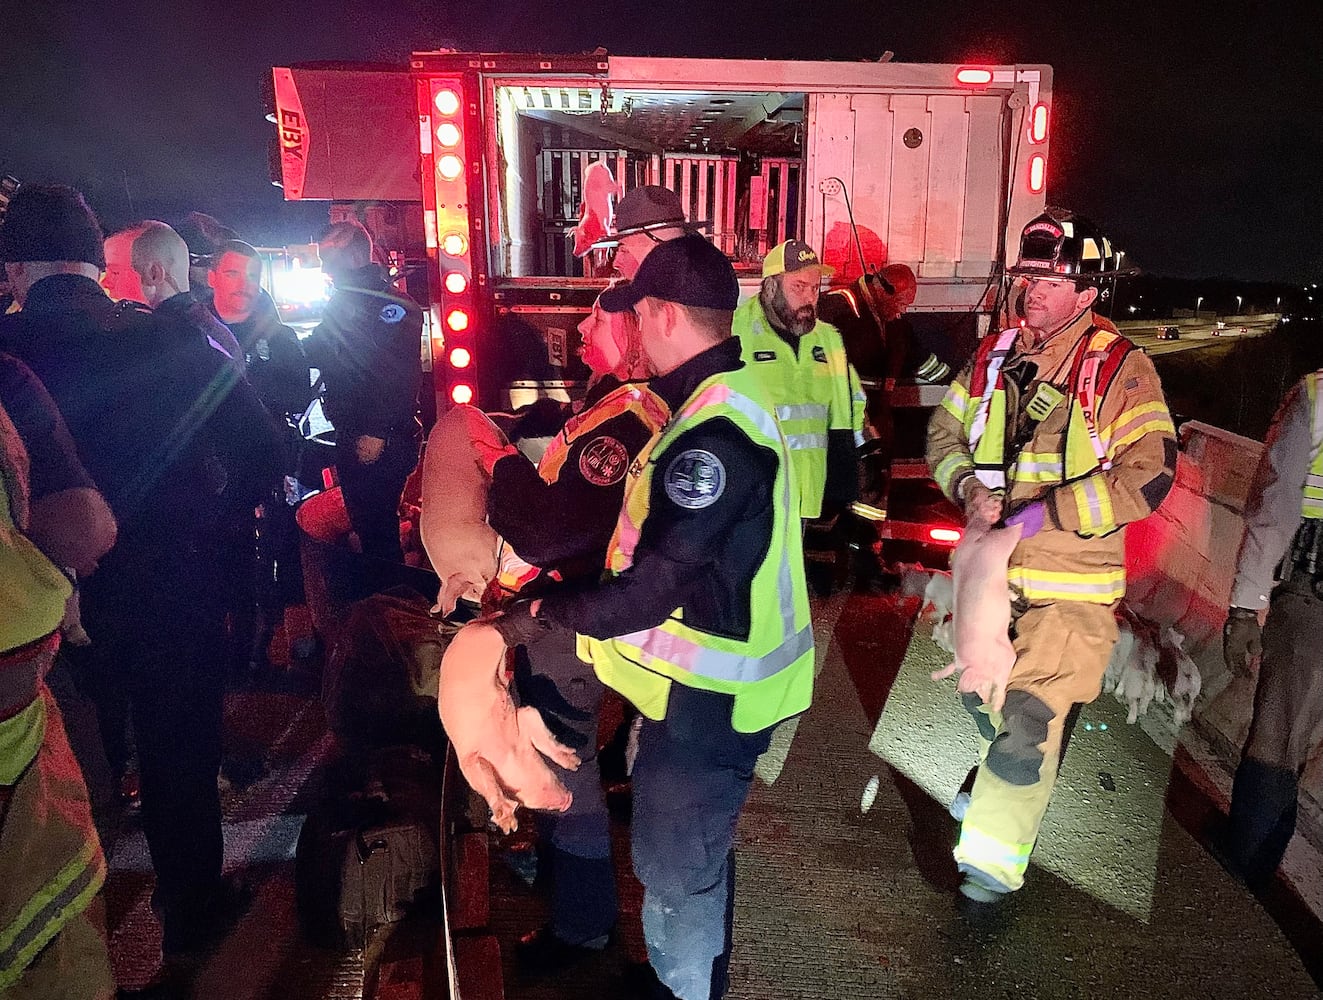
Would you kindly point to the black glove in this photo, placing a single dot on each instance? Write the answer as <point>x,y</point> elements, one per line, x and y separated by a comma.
<point>1242,638</point>
<point>517,625</point>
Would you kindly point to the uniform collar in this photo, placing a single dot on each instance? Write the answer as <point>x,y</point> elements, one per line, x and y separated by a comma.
<point>63,293</point>
<point>677,386</point>
<point>1056,346</point>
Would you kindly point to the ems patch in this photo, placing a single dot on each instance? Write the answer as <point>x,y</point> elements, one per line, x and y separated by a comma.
<point>764,355</point>
<point>391,313</point>
<point>819,354</point>
<point>604,462</point>
<point>695,479</point>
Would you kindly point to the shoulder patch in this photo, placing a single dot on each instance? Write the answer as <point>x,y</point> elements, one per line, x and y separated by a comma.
<point>695,479</point>
<point>764,355</point>
<point>819,354</point>
<point>392,312</point>
<point>604,461</point>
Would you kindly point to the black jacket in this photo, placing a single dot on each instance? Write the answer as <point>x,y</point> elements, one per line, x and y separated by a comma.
<point>703,559</point>
<point>368,348</point>
<point>567,524</point>
<point>273,359</point>
<point>166,427</point>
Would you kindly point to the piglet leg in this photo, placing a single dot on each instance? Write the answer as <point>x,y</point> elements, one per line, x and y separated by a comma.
<point>482,779</point>
<point>532,725</point>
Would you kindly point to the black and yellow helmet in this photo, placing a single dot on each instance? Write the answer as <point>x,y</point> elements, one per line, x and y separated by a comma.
<point>1061,244</point>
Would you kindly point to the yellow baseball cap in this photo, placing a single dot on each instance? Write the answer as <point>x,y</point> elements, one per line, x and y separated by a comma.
<point>793,255</point>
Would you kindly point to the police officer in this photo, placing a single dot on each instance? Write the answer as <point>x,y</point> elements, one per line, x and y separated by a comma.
<point>1061,426</point>
<point>167,431</point>
<point>703,623</point>
<point>556,521</point>
<point>1283,527</point>
<point>367,349</point>
<point>646,217</point>
<point>802,362</point>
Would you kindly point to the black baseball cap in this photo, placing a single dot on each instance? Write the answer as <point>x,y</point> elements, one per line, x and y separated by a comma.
<point>688,270</point>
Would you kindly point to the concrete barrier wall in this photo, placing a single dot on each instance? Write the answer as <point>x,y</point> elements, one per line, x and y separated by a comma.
<point>1180,565</point>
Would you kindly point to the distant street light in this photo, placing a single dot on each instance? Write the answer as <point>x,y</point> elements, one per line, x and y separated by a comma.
<point>1239,300</point>
<point>1197,303</point>
<point>1134,309</point>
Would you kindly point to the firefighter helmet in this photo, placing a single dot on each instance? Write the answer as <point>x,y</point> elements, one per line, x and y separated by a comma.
<point>1060,243</point>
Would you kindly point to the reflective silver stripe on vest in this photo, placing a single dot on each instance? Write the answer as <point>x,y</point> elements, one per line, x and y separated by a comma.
<point>806,442</point>
<point>801,411</point>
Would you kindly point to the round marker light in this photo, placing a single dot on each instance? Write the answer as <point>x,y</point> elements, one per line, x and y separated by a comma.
<point>457,320</point>
<point>462,393</point>
<point>455,244</point>
<point>448,135</point>
<point>450,166</point>
<point>446,101</point>
<point>456,283</point>
<point>460,358</point>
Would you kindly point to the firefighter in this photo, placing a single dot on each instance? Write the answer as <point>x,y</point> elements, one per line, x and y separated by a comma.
<point>801,360</point>
<point>1283,527</point>
<point>703,619</point>
<point>1061,428</point>
<point>558,519</point>
<point>49,851</point>
<point>367,350</point>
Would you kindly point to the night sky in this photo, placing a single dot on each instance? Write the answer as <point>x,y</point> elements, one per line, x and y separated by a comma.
<point>1194,137</point>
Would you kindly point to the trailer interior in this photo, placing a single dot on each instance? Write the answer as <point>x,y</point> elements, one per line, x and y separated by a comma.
<point>735,158</point>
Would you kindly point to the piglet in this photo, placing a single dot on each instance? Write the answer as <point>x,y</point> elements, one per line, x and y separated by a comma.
<point>460,544</point>
<point>596,211</point>
<point>982,614</point>
<point>500,748</point>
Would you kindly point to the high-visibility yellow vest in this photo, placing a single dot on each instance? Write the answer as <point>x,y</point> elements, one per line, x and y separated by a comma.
<point>814,390</point>
<point>514,573</point>
<point>769,673</point>
<point>1312,505</point>
<point>1085,457</point>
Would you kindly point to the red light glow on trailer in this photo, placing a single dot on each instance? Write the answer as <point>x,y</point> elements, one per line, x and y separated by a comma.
<point>1037,173</point>
<point>446,101</point>
<point>450,166</point>
<point>447,134</point>
<point>973,76</point>
<point>461,393</point>
<point>1038,123</point>
<point>456,283</point>
<point>455,244</point>
<point>947,536</point>
<point>457,320</point>
<point>460,358</point>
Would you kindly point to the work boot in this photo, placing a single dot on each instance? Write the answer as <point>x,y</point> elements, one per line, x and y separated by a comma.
<point>542,953</point>
<point>641,983</point>
<point>199,927</point>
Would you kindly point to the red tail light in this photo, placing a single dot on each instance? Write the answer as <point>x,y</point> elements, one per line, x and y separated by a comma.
<point>450,166</point>
<point>456,283</point>
<point>457,320</point>
<point>455,244</point>
<point>1038,123</point>
<point>946,536</point>
<point>446,101</point>
<point>973,76</point>
<point>447,134</point>
<point>460,358</point>
<point>461,393</point>
<point>1037,173</point>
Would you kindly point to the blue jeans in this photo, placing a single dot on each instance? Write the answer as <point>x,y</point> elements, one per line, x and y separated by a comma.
<point>691,779</point>
<point>552,678</point>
